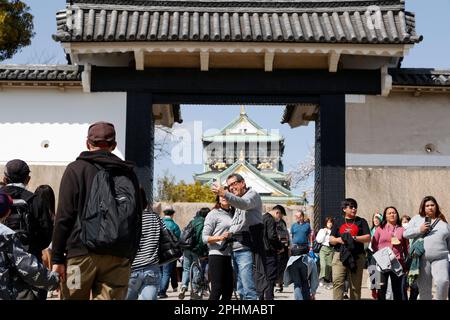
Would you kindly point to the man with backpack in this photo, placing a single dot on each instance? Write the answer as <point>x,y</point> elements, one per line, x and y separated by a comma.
<point>98,221</point>
<point>194,249</point>
<point>30,220</point>
<point>166,269</point>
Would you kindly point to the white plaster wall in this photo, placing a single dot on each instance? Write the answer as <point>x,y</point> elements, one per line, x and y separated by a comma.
<point>393,131</point>
<point>30,116</point>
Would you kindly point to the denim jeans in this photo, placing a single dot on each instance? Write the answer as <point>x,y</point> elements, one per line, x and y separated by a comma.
<point>188,258</point>
<point>165,278</point>
<point>243,265</point>
<point>144,283</point>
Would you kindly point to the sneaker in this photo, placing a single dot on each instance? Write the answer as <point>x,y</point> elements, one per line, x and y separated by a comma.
<point>329,286</point>
<point>175,289</point>
<point>162,295</point>
<point>182,293</point>
<point>196,296</point>
<point>321,283</point>
<point>345,297</point>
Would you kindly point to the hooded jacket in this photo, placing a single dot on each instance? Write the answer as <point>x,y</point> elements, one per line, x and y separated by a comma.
<point>74,190</point>
<point>20,271</point>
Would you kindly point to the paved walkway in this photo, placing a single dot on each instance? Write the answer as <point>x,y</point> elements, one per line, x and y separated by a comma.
<point>288,293</point>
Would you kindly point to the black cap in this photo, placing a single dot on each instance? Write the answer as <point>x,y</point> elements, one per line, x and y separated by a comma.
<point>17,170</point>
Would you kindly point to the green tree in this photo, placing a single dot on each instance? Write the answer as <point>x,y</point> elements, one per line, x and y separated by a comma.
<point>168,190</point>
<point>16,27</point>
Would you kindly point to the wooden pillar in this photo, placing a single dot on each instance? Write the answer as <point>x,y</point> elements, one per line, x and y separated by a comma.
<point>329,184</point>
<point>140,136</point>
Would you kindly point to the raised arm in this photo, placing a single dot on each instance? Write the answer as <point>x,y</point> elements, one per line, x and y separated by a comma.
<point>414,229</point>
<point>246,202</point>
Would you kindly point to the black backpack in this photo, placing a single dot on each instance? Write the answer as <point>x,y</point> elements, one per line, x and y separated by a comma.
<point>187,237</point>
<point>31,219</point>
<point>111,219</point>
<point>21,220</point>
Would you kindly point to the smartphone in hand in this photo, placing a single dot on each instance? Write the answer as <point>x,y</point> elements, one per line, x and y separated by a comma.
<point>428,220</point>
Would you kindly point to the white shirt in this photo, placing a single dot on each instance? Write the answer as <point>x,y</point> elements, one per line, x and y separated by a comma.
<point>323,236</point>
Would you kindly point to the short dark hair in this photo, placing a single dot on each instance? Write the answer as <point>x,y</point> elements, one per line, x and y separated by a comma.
<point>203,212</point>
<point>349,202</point>
<point>280,208</point>
<point>238,177</point>
<point>17,171</point>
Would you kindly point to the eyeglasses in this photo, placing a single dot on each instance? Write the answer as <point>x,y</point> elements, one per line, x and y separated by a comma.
<point>352,207</point>
<point>233,183</point>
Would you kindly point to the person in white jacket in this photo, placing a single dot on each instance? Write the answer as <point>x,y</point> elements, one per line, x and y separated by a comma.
<point>326,253</point>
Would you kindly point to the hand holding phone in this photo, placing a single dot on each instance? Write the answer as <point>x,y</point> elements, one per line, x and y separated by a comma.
<point>426,226</point>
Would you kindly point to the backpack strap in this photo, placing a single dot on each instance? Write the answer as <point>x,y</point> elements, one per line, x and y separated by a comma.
<point>431,227</point>
<point>99,167</point>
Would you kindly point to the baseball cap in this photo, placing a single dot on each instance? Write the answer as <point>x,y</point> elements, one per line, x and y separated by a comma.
<point>17,170</point>
<point>101,132</point>
<point>5,204</point>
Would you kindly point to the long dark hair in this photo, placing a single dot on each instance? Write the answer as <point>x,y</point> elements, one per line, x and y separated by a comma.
<point>384,222</point>
<point>45,199</point>
<point>438,213</point>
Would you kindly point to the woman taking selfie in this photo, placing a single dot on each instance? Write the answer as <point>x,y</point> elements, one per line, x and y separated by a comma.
<point>432,226</point>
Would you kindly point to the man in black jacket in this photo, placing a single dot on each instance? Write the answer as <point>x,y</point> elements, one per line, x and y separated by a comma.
<point>106,275</point>
<point>272,246</point>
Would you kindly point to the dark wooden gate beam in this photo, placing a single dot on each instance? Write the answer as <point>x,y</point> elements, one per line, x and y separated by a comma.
<point>140,136</point>
<point>236,81</point>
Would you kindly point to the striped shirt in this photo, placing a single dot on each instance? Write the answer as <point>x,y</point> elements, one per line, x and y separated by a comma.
<point>147,254</point>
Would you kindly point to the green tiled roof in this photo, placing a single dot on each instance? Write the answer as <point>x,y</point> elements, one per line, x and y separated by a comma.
<point>206,176</point>
<point>220,176</point>
<point>243,138</point>
<point>224,135</point>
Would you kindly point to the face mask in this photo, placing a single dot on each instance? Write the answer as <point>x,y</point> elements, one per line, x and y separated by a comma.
<point>405,225</point>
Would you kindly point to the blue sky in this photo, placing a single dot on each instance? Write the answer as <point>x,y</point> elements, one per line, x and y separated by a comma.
<point>432,21</point>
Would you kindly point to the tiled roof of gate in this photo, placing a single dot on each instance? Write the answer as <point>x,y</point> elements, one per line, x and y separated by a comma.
<point>420,77</point>
<point>348,21</point>
<point>25,72</point>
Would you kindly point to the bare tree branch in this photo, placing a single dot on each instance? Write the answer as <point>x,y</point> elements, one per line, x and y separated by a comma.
<point>43,57</point>
<point>304,170</point>
<point>163,138</point>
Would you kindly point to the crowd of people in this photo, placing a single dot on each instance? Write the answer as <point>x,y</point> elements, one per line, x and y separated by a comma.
<point>103,241</point>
